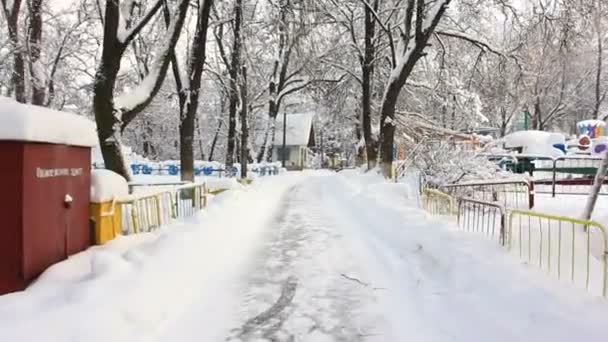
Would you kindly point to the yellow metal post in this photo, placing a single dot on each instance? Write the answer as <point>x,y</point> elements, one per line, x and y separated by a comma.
<point>108,221</point>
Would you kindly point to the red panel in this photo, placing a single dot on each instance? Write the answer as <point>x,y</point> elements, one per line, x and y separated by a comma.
<point>52,230</point>
<point>10,213</point>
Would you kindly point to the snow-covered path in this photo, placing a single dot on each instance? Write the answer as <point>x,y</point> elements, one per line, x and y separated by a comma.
<point>306,257</point>
<point>346,259</point>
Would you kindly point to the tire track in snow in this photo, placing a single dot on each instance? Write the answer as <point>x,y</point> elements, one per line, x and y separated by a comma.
<point>297,291</point>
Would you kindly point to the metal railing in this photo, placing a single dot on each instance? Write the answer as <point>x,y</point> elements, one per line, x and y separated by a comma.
<point>568,175</point>
<point>488,218</point>
<point>511,194</point>
<point>565,175</point>
<point>144,213</point>
<point>562,246</point>
<point>437,202</point>
<point>190,199</point>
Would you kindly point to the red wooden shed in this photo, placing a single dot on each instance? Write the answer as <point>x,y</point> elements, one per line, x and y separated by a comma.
<point>45,177</point>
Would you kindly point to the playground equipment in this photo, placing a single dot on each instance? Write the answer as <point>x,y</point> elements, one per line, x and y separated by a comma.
<point>591,128</point>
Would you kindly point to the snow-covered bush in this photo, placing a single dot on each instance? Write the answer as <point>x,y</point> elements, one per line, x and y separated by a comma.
<point>442,162</point>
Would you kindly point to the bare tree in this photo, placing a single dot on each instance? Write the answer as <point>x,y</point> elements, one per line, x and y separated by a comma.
<point>188,88</point>
<point>419,22</point>
<point>112,113</point>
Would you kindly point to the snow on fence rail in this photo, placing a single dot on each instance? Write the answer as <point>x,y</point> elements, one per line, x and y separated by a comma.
<point>557,244</point>
<point>511,194</point>
<point>143,213</point>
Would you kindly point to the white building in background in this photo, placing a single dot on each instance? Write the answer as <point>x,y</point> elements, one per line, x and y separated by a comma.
<point>299,141</point>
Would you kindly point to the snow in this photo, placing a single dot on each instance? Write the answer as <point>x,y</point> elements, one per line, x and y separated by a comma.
<point>132,98</point>
<point>129,100</point>
<point>107,185</point>
<point>314,256</point>
<point>21,122</point>
<point>298,129</point>
<point>536,142</point>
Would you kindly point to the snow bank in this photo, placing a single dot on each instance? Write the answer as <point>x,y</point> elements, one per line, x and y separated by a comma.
<point>107,185</point>
<point>214,183</point>
<point>20,122</point>
<point>133,287</point>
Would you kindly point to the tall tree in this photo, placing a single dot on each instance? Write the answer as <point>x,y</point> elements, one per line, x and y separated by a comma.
<point>112,113</point>
<point>232,63</point>
<point>418,25</point>
<point>367,61</point>
<point>188,86</point>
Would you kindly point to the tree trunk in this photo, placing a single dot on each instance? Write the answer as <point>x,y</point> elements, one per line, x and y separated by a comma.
<point>215,137</point>
<point>537,121</point>
<point>35,39</point>
<point>503,122</point>
<point>262,151</point>
<point>600,53</point>
<point>233,91</point>
<point>277,82</point>
<point>189,97</point>
<point>18,72</point>
<point>265,152</point>
<point>200,138</point>
<point>595,190</point>
<point>103,104</point>
<point>244,127</point>
<point>367,72</point>
<point>387,127</point>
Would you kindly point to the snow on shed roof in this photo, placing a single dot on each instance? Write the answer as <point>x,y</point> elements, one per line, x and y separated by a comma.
<point>21,122</point>
<point>298,129</point>
<point>533,138</point>
<point>536,142</point>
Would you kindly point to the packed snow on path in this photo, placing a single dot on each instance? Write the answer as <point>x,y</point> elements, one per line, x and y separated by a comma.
<point>303,257</point>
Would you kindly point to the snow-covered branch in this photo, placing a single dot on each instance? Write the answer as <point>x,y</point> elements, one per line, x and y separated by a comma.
<point>125,34</point>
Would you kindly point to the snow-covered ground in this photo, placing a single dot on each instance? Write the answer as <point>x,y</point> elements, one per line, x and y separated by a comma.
<point>303,257</point>
<point>572,205</point>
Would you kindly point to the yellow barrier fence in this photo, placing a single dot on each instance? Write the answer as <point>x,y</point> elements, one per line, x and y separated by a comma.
<point>144,213</point>
<point>437,202</point>
<point>563,246</point>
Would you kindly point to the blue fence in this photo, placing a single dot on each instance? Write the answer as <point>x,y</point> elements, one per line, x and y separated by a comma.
<point>174,170</point>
